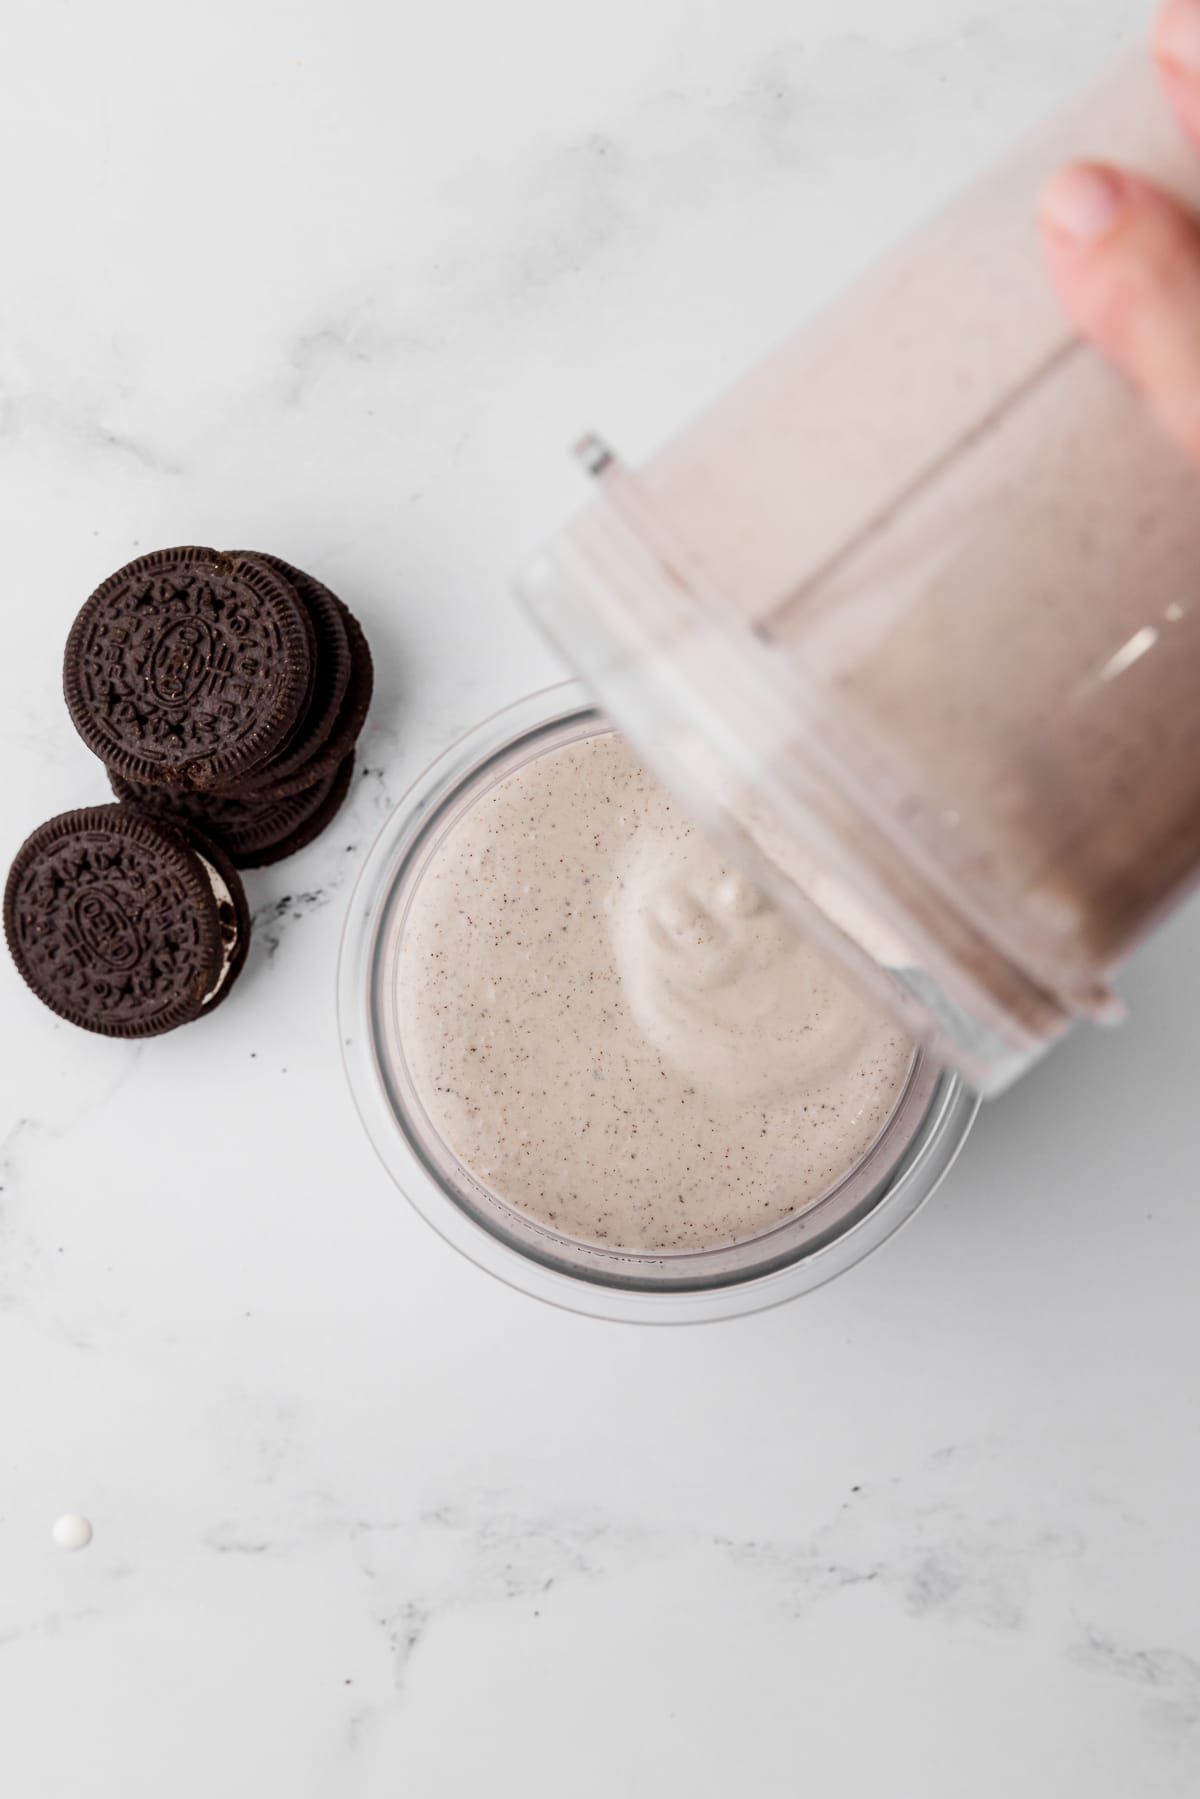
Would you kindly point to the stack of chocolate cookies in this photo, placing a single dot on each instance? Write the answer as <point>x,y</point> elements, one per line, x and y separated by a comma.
<point>222,690</point>
<point>225,693</point>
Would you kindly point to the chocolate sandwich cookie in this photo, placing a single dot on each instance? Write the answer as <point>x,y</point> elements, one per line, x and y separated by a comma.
<point>254,830</point>
<point>190,668</point>
<point>346,730</point>
<point>331,669</point>
<point>124,924</point>
<point>334,792</point>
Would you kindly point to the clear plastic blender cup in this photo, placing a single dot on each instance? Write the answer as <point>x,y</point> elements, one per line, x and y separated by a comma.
<point>910,620</point>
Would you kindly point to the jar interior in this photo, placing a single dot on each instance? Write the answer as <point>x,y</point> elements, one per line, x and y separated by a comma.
<point>833,1216</point>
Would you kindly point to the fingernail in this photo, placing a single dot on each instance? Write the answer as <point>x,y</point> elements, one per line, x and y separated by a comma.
<point>1082,203</point>
<point>1177,35</point>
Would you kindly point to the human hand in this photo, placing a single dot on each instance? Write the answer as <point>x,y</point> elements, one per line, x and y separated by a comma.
<point>1125,255</point>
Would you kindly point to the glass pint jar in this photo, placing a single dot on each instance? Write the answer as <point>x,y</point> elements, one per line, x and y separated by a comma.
<point>909,619</point>
<point>899,1171</point>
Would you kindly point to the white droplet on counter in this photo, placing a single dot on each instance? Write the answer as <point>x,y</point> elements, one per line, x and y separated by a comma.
<point>72,1532</point>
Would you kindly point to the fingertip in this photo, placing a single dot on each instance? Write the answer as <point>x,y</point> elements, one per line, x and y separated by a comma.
<point>1176,38</point>
<point>1082,204</point>
<point>1176,46</point>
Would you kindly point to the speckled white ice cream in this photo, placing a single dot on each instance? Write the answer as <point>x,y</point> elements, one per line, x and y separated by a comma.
<point>615,1033</point>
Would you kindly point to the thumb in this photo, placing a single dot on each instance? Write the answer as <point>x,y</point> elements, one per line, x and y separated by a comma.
<point>1125,258</point>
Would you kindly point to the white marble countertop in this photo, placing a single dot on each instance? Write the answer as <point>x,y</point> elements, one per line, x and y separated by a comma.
<point>340,281</point>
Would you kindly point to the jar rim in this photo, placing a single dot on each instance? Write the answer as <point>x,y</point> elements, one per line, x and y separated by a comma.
<point>610,1285</point>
